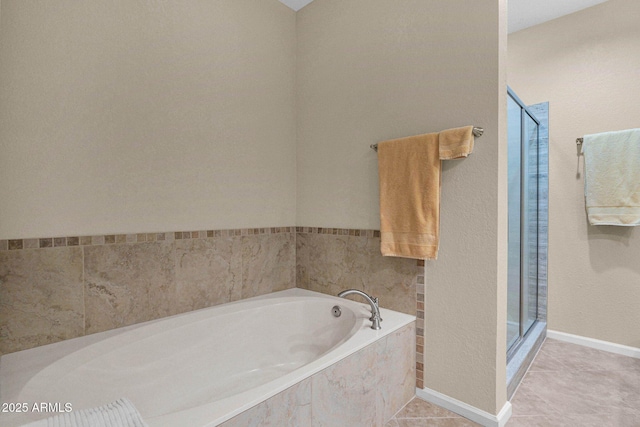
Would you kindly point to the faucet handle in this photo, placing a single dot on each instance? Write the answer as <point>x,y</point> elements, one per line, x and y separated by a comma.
<point>373,302</point>
<point>373,314</point>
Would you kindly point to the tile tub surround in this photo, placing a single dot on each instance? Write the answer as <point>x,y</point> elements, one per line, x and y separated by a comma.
<point>330,260</point>
<point>114,280</point>
<point>53,289</point>
<point>363,390</point>
<point>41,297</point>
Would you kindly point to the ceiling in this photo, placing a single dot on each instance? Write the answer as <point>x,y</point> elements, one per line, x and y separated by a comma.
<point>296,4</point>
<point>527,13</point>
<point>522,13</point>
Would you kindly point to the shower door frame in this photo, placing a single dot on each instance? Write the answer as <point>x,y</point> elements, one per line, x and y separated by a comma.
<point>522,333</point>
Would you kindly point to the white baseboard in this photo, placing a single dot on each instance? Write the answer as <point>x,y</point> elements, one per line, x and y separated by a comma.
<point>471,412</point>
<point>597,344</point>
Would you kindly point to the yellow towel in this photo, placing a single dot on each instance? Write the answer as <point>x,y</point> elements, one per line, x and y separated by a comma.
<point>456,143</point>
<point>409,171</point>
<point>612,177</point>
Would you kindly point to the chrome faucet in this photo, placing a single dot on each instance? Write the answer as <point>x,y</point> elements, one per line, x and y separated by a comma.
<point>373,302</point>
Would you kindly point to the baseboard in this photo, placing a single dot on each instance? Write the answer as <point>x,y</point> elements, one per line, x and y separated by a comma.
<point>597,344</point>
<point>471,412</point>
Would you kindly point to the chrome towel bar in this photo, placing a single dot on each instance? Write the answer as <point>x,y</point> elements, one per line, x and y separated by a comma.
<point>477,132</point>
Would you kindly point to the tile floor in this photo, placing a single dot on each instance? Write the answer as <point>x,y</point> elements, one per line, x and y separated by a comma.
<point>419,413</point>
<point>567,385</point>
<point>572,385</point>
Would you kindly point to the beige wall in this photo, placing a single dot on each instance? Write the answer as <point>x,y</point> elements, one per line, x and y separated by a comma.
<point>586,65</point>
<point>368,70</point>
<point>124,117</point>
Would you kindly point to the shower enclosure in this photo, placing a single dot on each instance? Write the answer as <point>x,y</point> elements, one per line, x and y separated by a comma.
<point>528,193</point>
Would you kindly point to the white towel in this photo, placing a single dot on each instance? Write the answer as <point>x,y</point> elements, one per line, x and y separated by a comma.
<point>120,413</point>
<point>612,177</point>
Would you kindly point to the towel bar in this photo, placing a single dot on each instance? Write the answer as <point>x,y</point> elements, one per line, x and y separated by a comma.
<point>477,132</point>
<point>579,141</point>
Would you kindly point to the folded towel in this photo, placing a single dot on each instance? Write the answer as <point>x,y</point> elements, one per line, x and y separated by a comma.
<point>409,171</point>
<point>455,143</point>
<point>612,177</point>
<point>120,413</point>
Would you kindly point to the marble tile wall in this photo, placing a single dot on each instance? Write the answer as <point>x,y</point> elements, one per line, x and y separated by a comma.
<point>53,289</point>
<point>330,260</point>
<point>41,297</point>
<point>59,288</point>
<point>365,389</point>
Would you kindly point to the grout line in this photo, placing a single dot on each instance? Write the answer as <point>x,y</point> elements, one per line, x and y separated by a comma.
<point>540,415</point>
<point>84,301</point>
<point>431,418</point>
<point>454,417</point>
<point>404,406</point>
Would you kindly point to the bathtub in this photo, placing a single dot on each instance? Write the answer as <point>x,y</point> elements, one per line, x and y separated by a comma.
<point>200,368</point>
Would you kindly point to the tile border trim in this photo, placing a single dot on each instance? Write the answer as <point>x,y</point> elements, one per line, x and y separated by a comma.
<point>339,231</point>
<point>109,239</point>
<point>420,292</point>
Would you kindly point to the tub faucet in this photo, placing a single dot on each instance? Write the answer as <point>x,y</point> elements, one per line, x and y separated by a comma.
<point>373,302</point>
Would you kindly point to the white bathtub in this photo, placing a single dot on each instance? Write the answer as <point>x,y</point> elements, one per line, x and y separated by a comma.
<point>199,368</point>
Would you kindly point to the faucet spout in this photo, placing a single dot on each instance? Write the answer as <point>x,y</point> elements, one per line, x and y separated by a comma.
<point>373,302</point>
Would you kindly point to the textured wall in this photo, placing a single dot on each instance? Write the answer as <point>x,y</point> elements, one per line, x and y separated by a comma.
<point>369,70</point>
<point>586,65</point>
<point>126,117</point>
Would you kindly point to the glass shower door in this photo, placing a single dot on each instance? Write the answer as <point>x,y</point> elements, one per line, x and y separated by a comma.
<point>523,175</point>
<point>515,182</point>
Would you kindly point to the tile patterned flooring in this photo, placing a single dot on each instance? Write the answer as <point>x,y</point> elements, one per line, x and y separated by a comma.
<point>572,385</point>
<point>567,385</point>
<point>419,413</point>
